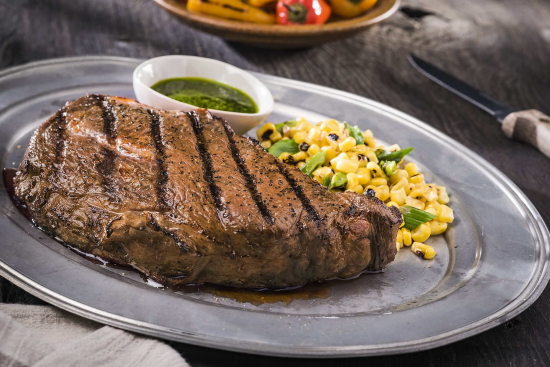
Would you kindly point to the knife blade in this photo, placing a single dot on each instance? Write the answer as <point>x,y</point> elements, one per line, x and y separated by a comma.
<point>530,126</point>
<point>485,102</point>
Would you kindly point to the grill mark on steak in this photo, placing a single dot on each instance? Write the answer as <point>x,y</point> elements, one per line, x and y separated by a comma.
<point>109,118</point>
<point>107,166</point>
<point>215,191</point>
<point>162,175</point>
<point>60,144</point>
<point>158,228</point>
<point>106,169</point>
<point>299,192</point>
<point>250,180</point>
<point>60,138</point>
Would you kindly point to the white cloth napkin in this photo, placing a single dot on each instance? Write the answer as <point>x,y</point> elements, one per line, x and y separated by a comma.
<point>42,336</point>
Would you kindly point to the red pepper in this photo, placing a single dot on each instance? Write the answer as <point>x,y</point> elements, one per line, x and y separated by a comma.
<point>302,12</point>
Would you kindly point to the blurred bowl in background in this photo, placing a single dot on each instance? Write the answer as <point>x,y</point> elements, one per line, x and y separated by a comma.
<point>281,36</point>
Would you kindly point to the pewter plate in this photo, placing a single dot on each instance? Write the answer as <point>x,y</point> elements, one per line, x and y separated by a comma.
<point>491,264</point>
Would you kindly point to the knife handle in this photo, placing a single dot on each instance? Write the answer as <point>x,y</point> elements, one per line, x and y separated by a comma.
<point>530,126</point>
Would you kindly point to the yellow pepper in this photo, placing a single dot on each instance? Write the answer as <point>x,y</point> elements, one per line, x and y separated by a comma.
<point>351,8</point>
<point>232,9</point>
<point>260,3</point>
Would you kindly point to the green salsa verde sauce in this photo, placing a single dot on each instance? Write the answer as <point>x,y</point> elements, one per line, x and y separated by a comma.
<point>206,93</point>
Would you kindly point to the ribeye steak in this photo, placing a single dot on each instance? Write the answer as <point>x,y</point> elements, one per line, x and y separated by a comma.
<point>183,199</point>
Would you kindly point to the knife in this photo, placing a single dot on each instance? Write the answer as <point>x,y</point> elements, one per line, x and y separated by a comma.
<point>530,126</point>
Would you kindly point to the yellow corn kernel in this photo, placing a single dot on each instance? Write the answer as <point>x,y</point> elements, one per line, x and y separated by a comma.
<point>399,240</point>
<point>410,187</point>
<point>276,136</point>
<point>393,148</point>
<point>443,197</point>
<point>352,155</point>
<point>429,192</point>
<point>384,193</point>
<point>437,227</point>
<point>367,134</point>
<point>321,173</point>
<point>330,125</point>
<point>376,189</point>
<point>416,179</point>
<point>300,156</point>
<point>401,184</point>
<point>363,175</point>
<point>435,205</point>
<point>347,166</point>
<point>424,251</point>
<point>286,157</point>
<point>376,170</point>
<point>361,149</point>
<point>324,142</point>
<point>411,169</point>
<point>399,175</point>
<point>378,181</point>
<point>362,160</point>
<point>314,136</point>
<point>330,153</point>
<point>324,171</point>
<point>415,203</point>
<point>407,238</point>
<point>352,181</point>
<point>300,137</point>
<point>399,237</point>
<point>332,138</point>
<point>416,194</point>
<point>358,189</point>
<point>286,131</point>
<point>390,203</point>
<point>313,149</point>
<point>303,125</point>
<point>371,157</point>
<point>402,222</point>
<point>370,142</point>
<point>430,210</point>
<point>265,131</point>
<point>421,233</point>
<point>440,189</point>
<point>347,144</point>
<point>285,138</point>
<point>301,164</point>
<point>398,196</point>
<point>266,144</point>
<point>307,159</point>
<point>447,214</point>
<point>337,158</point>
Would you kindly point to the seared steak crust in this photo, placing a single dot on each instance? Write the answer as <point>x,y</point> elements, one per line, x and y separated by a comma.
<point>183,199</point>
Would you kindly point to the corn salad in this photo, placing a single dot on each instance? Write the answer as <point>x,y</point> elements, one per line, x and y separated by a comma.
<point>342,157</point>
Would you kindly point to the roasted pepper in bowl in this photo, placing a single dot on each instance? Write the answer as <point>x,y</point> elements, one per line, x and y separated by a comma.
<point>302,12</point>
<point>232,9</point>
<point>351,8</point>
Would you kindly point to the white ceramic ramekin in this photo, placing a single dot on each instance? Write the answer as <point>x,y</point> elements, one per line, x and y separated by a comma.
<point>176,66</point>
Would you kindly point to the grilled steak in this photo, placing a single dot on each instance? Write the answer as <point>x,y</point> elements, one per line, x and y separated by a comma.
<point>183,199</point>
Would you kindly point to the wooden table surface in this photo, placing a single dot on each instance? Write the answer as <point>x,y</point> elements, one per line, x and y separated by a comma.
<point>500,46</point>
